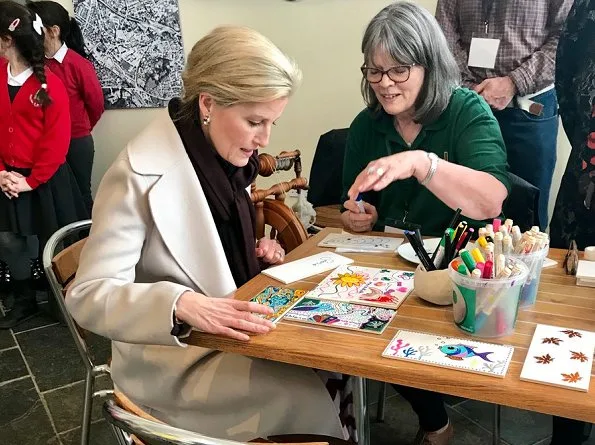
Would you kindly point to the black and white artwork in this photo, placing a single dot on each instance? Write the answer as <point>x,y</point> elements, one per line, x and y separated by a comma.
<point>136,47</point>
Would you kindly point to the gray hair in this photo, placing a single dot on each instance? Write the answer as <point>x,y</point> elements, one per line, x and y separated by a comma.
<point>411,35</point>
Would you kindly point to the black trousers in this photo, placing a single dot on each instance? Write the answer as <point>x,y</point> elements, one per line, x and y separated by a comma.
<point>428,405</point>
<point>80,159</point>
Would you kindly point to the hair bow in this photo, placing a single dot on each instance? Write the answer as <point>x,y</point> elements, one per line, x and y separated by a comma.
<point>14,24</point>
<point>37,24</point>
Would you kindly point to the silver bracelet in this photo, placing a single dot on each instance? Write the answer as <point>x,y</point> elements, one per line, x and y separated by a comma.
<point>433,167</point>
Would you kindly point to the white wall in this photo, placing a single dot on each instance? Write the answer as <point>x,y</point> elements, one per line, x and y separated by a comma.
<point>324,37</point>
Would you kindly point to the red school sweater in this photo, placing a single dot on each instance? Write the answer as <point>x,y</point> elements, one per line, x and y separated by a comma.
<point>84,91</point>
<point>32,136</point>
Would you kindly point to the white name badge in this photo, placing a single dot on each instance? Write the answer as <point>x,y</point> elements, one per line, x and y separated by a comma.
<point>483,52</point>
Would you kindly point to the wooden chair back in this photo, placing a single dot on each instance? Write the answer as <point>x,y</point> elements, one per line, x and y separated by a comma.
<point>66,262</point>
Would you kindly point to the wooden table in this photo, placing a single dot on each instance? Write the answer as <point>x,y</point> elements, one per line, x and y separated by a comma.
<point>329,216</point>
<point>559,302</point>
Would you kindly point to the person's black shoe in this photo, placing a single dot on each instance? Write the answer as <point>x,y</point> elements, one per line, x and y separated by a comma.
<point>40,282</point>
<point>5,277</point>
<point>18,315</point>
<point>24,307</point>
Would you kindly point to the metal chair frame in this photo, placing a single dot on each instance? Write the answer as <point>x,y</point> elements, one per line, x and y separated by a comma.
<point>124,424</point>
<point>92,371</point>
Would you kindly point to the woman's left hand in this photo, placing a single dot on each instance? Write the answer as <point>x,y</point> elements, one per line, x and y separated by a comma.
<point>381,172</point>
<point>19,184</point>
<point>270,251</point>
<point>13,183</point>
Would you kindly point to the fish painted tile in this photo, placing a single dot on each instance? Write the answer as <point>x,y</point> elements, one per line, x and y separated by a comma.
<point>281,299</point>
<point>560,357</point>
<point>365,285</point>
<point>338,314</point>
<point>448,352</point>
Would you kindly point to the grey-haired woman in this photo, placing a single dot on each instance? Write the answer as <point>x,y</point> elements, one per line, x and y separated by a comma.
<point>423,146</point>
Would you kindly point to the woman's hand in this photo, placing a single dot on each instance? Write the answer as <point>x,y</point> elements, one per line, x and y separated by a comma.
<point>357,221</point>
<point>8,184</point>
<point>13,183</point>
<point>270,251</point>
<point>223,316</point>
<point>381,172</point>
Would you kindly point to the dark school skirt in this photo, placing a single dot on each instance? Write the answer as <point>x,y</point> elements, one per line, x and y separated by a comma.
<point>45,209</point>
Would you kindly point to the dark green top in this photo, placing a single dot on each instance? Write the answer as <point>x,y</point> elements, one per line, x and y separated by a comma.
<point>466,133</point>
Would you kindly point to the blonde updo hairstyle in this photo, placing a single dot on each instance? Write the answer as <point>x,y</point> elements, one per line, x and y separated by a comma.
<point>234,65</point>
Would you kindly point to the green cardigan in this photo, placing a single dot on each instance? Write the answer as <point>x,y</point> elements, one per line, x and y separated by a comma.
<point>466,133</point>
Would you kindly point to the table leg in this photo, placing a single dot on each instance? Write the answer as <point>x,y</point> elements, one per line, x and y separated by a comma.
<point>496,429</point>
<point>381,402</point>
<point>362,417</point>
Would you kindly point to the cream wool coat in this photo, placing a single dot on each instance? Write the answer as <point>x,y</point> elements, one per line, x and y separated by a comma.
<point>153,238</point>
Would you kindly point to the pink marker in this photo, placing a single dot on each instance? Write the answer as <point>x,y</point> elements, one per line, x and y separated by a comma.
<point>496,223</point>
<point>480,266</point>
<point>500,321</point>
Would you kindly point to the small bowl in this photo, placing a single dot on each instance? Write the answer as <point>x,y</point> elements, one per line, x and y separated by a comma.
<point>434,286</point>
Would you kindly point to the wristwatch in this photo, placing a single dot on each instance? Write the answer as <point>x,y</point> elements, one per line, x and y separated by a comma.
<point>433,166</point>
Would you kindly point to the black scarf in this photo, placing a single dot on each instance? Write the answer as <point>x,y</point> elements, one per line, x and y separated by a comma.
<point>224,186</point>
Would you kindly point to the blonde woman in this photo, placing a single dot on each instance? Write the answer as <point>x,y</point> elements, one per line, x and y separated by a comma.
<point>173,237</point>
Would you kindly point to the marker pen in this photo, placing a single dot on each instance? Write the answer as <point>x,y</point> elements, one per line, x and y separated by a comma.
<point>498,244</point>
<point>360,203</point>
<point>477,256</point>
<point>467,259</point>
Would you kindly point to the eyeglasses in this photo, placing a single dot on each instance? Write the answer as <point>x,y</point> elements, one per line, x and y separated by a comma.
<point>397,74</point>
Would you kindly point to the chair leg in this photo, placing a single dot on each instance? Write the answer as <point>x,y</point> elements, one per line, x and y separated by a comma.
<point>362,418</point>
<point>87,407</point>
<point>121,437</point>
<point>381,402</point>
<point>496,428</point>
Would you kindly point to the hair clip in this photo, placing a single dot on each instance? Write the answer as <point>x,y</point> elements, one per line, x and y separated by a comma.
<point>38,24</point>
<point>14,24</point>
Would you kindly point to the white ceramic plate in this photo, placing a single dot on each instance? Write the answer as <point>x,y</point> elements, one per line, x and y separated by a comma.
<point>406,251</point>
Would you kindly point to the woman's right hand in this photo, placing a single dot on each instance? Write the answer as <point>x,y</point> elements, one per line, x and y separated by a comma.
<point>7,184</point>
<point>356,221</point>
<point>223,316</point>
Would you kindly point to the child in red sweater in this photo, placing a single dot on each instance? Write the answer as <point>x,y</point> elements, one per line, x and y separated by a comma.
<point>39,194</point>
<point>66,57</point>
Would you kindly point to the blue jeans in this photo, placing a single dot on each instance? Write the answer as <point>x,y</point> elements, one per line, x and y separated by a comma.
<point>531,144</point>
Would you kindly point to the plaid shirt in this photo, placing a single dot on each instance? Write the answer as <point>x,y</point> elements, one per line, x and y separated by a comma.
<point>528,31</point>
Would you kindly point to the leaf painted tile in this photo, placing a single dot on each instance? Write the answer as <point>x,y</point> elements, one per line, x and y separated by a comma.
<point>560,357</point>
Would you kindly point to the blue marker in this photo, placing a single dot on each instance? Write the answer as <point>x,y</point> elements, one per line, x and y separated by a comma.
<point>360,203</point>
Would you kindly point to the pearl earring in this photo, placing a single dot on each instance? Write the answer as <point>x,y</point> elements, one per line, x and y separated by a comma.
<point>206,120</point>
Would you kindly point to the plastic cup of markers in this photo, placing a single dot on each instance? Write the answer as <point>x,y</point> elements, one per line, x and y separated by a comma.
<point>486,308</point>
<point>534,262</point>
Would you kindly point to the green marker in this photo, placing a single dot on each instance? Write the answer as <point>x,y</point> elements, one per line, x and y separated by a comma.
<point>467,259</point>
<point>462,269</point>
